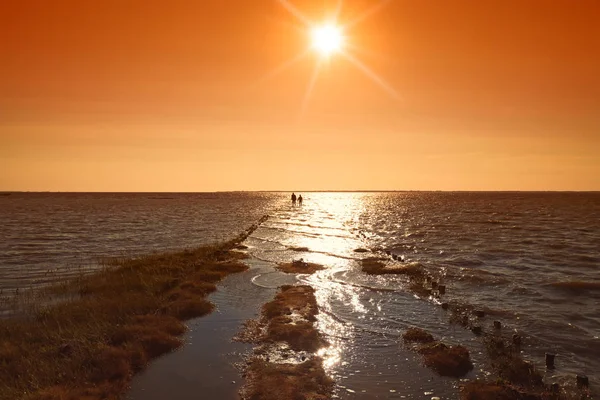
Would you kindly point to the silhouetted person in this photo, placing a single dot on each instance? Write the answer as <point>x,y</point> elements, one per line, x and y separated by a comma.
<point>300,199</point>
<point>293,198</point>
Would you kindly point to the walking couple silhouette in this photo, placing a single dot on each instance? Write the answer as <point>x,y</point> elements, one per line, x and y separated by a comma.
<point>294,199</point>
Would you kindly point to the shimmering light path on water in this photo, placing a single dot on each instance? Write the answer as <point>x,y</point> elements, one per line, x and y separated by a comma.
<point>530,259</point>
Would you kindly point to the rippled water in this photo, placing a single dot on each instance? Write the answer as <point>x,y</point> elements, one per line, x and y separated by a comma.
<point>515,255</point>
<point>44,237</point>
<point>520,256</point>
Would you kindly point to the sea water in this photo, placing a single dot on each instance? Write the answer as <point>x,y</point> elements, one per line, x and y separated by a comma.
<point>531,260</point>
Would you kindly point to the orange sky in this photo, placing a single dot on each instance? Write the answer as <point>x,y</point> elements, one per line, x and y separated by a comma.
<point>153,95</point>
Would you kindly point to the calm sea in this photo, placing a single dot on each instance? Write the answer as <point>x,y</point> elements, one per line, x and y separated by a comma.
<point>531,260</point>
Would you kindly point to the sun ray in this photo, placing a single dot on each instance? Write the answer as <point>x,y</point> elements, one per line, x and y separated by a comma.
<point>370,74</point>
<point>366,14</point>
<point>328,39</point>
<point>338,10</point>
<point>283,66</point>
<point>294,11</point>
<point>359,50</point>
<point>310,87</point>
<point>298,27</point>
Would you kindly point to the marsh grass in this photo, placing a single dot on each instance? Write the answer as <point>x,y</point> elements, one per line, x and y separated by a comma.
<point>290,319</point>
<point>116,320</point>
<point>272,381</point>
<point>418,335</point>
<point>300,267</point>
<point>452,361</point>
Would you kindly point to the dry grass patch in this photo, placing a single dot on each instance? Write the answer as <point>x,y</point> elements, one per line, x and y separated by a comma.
<point>122,316</point>
<point>269,381</point>
<point>453,361</point>
<point>417,335</point>
<point>378,266</point>
<point>288,319</point>
<point>415,273</point>
<point>296,299</point>
<point>446,360</point>
<point>300,267</point>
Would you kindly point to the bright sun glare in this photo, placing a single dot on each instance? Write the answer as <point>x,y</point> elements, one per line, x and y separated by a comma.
<point>327,39</point>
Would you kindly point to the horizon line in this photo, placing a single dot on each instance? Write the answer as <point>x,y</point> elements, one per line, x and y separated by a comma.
<point>301,191</point>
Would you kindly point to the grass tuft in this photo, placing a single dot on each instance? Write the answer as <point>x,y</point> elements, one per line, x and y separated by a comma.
<point>451,361</point>
<point>271,381</point>
<point>300,267</point>
<point>288,319</point>
<point>417,335</point>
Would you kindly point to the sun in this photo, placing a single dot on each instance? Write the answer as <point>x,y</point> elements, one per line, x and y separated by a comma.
<point>327,39</point>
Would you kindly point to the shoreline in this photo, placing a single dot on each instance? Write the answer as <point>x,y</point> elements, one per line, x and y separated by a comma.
<point>124,316</point>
